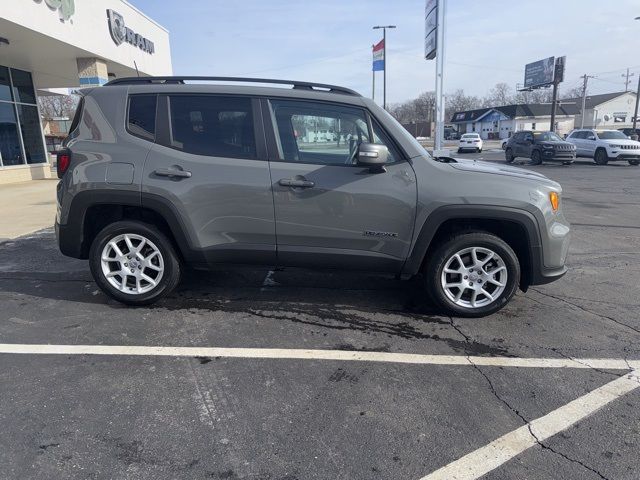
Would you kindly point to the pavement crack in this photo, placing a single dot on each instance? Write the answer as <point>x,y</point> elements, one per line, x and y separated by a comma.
<point>586,310</point>
<point>521,416</point>
<point>566,457</point>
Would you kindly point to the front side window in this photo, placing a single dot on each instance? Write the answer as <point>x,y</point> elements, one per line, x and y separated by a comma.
<point>308,132</point>
<point>212,125</point>
<point>142,116</point>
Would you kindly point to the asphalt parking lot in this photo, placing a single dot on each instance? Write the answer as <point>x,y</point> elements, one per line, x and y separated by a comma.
<point>252,393</point>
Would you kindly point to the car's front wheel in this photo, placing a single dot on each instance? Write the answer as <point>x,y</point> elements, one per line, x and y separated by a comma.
<point>536,158</point>
<point>472,274</point>
<point>634,162</point>
<point>134,262</point>
<point>601,157</point>
<point>508,155</point>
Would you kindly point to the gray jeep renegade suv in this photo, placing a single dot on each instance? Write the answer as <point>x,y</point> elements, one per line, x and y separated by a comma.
<point>158,173</point>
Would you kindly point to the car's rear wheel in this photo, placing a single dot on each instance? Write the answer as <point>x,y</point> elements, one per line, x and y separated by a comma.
<point>536,158</point>
<point>601,157</point>
<point>134,263</point>
<point>508,155</point>
<point>634,162</point>
<point>472,274</point>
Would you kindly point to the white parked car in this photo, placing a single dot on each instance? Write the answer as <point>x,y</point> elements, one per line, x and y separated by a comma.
<point>470,141</point>
<point>605,146</point>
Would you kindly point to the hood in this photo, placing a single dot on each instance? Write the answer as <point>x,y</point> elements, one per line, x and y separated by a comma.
<point>475,166</point>
<point>621,141</point>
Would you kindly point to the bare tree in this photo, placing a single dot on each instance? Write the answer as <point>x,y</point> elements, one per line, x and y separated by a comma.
<point>459,102</point>
<point>52,106</point>
<point>501,94</point>
<point>575,92</point>
<point>419,109</point>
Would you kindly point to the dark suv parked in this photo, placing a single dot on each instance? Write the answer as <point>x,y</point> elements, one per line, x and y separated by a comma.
<point>539,147</point>
<point>158,174</point>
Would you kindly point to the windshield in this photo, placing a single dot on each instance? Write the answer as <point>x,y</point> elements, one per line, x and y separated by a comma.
<point>546,137</point>
<point>470,135</point>
<point>612,135</point>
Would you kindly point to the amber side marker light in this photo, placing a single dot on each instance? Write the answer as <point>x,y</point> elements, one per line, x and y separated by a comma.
<point>554,198</point>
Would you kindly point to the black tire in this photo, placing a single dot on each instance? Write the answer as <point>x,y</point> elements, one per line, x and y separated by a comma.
<point>508,155</point>
<point>601,157</point>
<point>634,162</point>
<point>436,262</point>
<point>536,158</point>
<point>504,145</point>
<point>479,150</point>
<point>459,150</point>
<point>172,269</point>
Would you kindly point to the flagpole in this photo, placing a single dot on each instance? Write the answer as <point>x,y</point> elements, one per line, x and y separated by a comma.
<point>384,72</point>
<point>384,56</point>
<point>373,76</point>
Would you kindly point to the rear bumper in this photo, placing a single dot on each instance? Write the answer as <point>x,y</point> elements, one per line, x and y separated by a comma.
<point>69,240</point>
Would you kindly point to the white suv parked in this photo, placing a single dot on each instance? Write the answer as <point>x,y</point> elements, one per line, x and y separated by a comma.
<point>605,145</point>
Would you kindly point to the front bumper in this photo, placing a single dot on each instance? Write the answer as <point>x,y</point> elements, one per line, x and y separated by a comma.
<point>558,156</point>
<point>616,154</point>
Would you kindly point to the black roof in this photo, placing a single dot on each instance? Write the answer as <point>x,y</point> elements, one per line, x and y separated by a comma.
<point>519,110</point>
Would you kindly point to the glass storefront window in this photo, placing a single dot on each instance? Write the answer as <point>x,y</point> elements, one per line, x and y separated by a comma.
<point>5,89</point>
<point>32,139</point>
<point>10,151</point>
<point>23,86</point>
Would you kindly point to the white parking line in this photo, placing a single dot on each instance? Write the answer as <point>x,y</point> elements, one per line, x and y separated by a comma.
<point>488,458</point>
<point>341,355</point>
<point>472,465</point>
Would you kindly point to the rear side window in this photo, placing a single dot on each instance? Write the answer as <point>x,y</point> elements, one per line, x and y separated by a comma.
<point>76,118</point>
<point>142,116</point>
<point>212,125</point>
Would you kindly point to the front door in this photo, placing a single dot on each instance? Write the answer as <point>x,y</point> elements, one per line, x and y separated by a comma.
<point>330,212</point>
<point>210,169</point>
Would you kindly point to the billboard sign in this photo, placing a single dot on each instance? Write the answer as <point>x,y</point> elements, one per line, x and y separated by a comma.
<point>540,73</point>
<point>430,28</point>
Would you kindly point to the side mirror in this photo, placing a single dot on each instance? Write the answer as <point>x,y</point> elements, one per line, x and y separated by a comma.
<point>591,137</point>
<point>373,156</point>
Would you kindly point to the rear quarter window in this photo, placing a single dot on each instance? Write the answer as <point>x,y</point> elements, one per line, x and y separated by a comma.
<point>141,119</point>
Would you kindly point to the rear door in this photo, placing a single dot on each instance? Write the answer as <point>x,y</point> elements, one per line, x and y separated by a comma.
<point>527,145</point>
<point>209,171</point>
<point>330,212</point>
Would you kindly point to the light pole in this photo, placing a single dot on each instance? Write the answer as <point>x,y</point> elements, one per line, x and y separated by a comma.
<point>384,55</point>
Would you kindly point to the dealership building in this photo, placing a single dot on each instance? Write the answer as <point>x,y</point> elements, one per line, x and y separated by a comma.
<point>49,46</point>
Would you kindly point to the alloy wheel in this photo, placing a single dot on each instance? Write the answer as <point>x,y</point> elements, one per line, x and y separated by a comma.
<point>132,264</point>
<point>474,277</point>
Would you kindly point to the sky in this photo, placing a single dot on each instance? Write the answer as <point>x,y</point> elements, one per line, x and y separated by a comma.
<point>487,41</point>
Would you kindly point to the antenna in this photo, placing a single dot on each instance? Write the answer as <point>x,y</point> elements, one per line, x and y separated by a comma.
<point>136,65</point>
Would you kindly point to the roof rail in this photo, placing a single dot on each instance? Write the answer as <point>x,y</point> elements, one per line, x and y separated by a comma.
<point>181,80</point>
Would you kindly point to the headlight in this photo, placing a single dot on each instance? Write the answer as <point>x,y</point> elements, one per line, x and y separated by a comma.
<point>554,198</point>
<point>615,146</point>
<point>547,146</point>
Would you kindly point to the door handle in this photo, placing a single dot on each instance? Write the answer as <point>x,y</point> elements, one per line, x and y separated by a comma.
<point>172,172</point>
<point>287,182</point>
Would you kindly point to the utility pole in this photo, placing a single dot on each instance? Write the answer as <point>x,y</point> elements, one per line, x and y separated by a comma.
<point>558,76</point>
<point>635,117</point>
<point>584,97</point>
<point>384,55</point>
<point>626,81</point>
